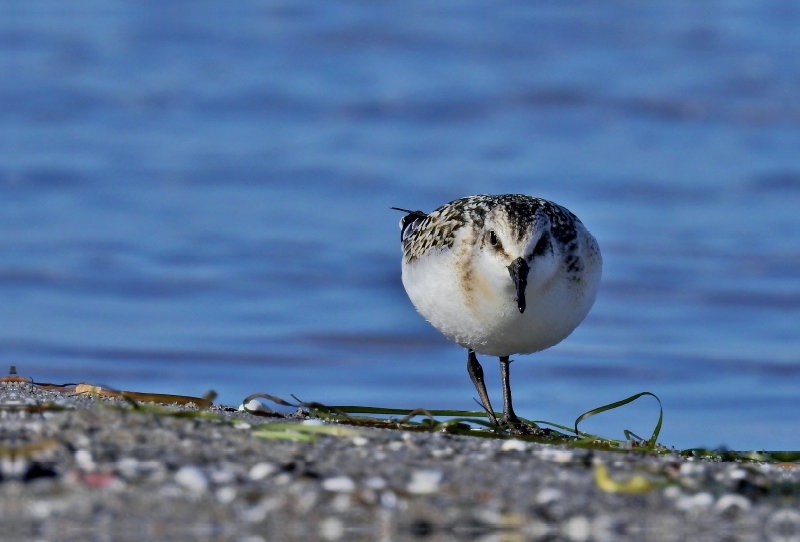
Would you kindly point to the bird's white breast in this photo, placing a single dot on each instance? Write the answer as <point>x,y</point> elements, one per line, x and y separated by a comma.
<point>476,307</point>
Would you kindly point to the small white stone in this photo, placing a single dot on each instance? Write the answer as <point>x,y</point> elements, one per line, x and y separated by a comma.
<point>253,405</point>
<point>578,529</point>
<point>673,492</point>
<point>313,421</point>
<point>127,467</point>
<point>360,441</point>
<point>331,529</point>
<point>698,501</point>
<point>259,471</point>
<point>254,514</point>
<point>730,500</point>
<point>690,469</point>
<point>556,456</point>
<point>738,474</point>
<point>341,502</point>
<point>84,460</point>
<point>192,479</point>
<point>395,445</point>
<point>375,482</point>
<point>339,484</point>
<point>388,499</point>
<point>424,482</point>
<point>514,445</point>
<point>548,495</point>
<point>225,494</point>
<point>223,475</point>
<point>242,425</point>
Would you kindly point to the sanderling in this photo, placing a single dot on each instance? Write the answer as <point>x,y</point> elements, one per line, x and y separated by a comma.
<point>500,275</point>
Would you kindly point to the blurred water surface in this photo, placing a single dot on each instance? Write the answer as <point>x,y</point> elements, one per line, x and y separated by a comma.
<point>197,196</point>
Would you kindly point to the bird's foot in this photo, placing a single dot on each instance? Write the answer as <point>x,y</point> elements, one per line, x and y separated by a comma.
<point>515,426</point>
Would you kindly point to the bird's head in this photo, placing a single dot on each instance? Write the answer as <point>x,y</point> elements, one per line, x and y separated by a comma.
<point>518,251</point>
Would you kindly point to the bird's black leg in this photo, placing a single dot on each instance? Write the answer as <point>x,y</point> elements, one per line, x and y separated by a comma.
<point>508,409</point>
<point>476,374</point>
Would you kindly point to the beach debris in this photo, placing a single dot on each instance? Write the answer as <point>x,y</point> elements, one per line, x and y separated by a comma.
<point>635,484</point>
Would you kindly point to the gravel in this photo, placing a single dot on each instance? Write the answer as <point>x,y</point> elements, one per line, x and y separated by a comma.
<point>101,469</point>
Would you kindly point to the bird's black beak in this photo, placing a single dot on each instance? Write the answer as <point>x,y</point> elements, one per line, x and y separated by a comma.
<point>519,274</point>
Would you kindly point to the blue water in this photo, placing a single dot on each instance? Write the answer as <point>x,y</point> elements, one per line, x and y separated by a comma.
<point>197,196</point>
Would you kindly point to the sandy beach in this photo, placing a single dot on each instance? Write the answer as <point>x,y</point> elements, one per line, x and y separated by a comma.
<point>78,466</point>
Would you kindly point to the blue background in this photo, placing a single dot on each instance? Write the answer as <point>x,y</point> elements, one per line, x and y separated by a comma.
<point>197,196</point>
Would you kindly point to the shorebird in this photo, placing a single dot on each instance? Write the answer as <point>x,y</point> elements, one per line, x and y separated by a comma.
<point>500,275</point>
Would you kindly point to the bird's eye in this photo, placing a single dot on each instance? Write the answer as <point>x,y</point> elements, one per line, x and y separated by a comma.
<point>492,237</point>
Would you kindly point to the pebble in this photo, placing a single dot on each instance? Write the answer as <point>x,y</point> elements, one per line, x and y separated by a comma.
<point>698,501</point>
<point>127,467</point>
<point>331,529</point>
<point>732,500</point>
<point>548,495</point>
<point>254,405</point>
<point>83,458</point>
<point>225,494</point>
<point>253,514</point>
<point>259,471</point>
<point>192,478</point>
<point>673,492</point>
<point>341,502</point>
<point>691,469</point>
<point>555,455</point>
<point>339,484</point>
<point>424,482</point>
<point>388,500</point>
<point>578,529</point>
<point>514,445</point>
<point>225,474</point>
<point>375,482</point>
<point>313,421</point>
<point>737,474</point>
